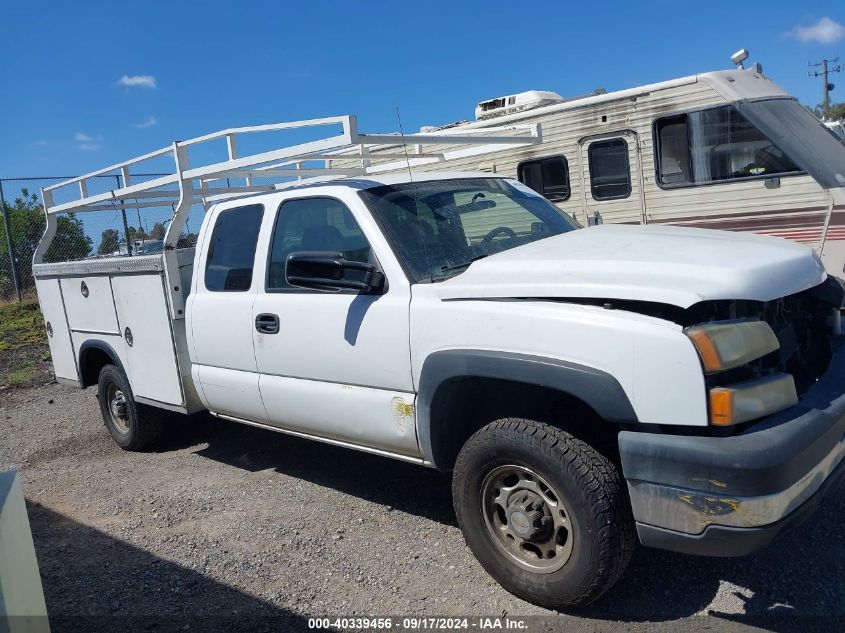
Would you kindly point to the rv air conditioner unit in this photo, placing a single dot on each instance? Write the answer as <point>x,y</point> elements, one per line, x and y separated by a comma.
<point>515,103</point>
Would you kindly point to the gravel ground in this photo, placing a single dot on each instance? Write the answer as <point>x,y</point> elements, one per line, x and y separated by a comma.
<point>228,526</point>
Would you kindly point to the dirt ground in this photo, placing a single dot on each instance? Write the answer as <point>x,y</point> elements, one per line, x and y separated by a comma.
<point>227,527</point>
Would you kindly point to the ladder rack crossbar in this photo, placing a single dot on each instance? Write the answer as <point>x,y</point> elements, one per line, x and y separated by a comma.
<point>270,127</point>
<point>112,168</point>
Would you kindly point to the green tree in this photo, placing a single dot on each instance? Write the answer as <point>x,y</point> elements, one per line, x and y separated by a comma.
<point>187,240</point>
<point>137,233</point>
<point>70,241</point>
<point>157,232</point>
<point>109,242</point>
<point>836,112</point>
<point>26,226</point>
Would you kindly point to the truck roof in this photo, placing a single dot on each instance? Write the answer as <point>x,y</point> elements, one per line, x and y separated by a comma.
<point>369,182</point>
<point>396,178</point>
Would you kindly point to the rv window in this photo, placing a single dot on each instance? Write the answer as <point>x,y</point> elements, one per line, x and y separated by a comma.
<point>715,145</point>
<point>231,251</point>
<point>674,151</point>
<point>610,173</point>
<point>547,176</point>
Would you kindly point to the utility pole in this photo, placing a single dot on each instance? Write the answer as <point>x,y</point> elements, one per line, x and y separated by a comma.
<point>824,73</point>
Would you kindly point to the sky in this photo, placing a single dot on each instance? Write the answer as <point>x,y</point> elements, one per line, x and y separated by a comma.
<point>87,84</point>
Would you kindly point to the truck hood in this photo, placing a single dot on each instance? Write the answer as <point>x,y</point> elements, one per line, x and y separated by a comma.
<point>663,264</point>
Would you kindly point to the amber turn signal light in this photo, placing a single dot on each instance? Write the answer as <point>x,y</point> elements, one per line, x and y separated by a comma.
<point>751,399</point>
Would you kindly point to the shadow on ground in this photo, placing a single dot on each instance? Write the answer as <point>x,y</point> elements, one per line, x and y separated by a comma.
<point>797,584</point>
<point>403,486</point>
<point>115,586</point>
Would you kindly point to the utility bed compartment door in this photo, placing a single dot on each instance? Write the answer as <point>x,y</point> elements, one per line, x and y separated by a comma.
<point>58,336</point>
<point>149,352</point>
<point>90,304</point>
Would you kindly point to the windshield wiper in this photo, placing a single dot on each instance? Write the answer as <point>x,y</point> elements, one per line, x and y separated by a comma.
<point>444,269</point>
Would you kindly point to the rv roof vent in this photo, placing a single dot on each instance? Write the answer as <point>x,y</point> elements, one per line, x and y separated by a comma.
<point>515,103</point>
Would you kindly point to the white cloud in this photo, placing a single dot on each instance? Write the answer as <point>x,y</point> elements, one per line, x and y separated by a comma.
<point>825,31</point>
<point>88,143</point>
<point>148,122</point>
<point>137,81</point>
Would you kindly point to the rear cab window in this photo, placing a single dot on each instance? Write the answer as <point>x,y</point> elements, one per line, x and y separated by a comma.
<point>231,249</point>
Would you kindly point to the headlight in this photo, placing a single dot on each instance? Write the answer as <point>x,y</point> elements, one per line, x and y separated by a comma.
<point>727,344</point>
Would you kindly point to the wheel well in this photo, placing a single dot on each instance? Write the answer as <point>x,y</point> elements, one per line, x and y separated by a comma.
<point>91,361</point>
<point>463,405</point>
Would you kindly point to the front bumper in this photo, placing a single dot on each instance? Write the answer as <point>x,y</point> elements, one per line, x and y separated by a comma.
<point>731,496</point>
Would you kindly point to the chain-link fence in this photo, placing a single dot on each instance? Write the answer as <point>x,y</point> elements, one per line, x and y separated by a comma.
<point>96,234</point>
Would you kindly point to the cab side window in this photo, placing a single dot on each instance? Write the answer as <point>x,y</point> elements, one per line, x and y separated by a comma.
<point>314,224</point>
<point>231,249</point>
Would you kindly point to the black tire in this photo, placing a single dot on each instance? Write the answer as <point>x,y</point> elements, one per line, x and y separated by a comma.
<point>139,426</point>
<point>590,488</point>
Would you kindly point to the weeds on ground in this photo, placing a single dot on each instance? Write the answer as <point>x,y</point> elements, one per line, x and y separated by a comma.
<point>21,324</point>
<point>23,344</point>
<point>22,375</point>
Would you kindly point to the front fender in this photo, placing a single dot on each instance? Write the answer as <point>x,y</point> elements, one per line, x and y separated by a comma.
<point>601,391</point>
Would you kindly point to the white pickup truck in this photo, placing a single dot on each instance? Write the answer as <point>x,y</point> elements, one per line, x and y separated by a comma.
<point>587,387</point>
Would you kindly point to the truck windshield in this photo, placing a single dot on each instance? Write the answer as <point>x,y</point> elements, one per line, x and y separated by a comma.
<point>438,228</point>
<point>801,136</point>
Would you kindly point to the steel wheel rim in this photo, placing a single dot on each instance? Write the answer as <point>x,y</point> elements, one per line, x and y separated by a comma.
<point>118,408</point>
<point>527,519</point>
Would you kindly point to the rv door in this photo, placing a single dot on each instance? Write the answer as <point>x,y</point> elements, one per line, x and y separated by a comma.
<point>611,178</point>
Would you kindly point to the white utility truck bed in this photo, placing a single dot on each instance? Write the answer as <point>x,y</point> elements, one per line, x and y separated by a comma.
<point>100,305</point>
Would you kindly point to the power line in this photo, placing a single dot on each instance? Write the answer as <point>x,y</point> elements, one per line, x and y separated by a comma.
<point>824,73</point>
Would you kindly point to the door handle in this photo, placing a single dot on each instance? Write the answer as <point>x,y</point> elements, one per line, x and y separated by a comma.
<point>267,323</point>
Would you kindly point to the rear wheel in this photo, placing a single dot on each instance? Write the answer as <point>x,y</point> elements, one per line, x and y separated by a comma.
<point>132,426</point>
<point>544,513</point>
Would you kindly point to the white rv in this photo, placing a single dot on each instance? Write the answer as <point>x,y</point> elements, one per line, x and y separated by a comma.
<point>724,150</point>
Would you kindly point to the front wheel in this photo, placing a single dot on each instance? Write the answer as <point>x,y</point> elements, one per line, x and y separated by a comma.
<point>544,513</point>
<point>132,426</point>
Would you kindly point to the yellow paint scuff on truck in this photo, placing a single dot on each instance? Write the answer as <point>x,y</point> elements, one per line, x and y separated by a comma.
<point>403,412</point>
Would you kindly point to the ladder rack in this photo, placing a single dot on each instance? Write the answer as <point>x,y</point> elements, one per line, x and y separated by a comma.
<point>275,168</point>
<point>283,164</point>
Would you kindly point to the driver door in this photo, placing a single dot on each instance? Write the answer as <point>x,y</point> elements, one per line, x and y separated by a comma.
<point>337,363</point>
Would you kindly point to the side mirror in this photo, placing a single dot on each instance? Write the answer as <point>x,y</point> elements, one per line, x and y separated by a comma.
<point>330,271</point>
